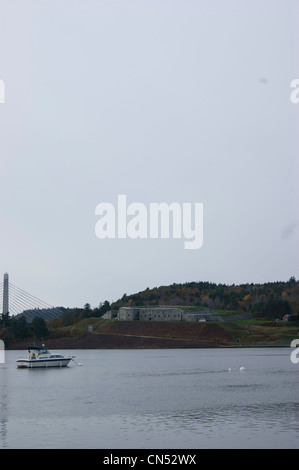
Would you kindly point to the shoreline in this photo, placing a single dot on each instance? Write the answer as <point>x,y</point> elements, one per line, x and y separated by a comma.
<point>135,344</point>
<point>107,334</point>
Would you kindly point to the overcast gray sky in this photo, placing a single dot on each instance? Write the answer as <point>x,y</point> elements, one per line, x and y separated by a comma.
<point>164,101</point>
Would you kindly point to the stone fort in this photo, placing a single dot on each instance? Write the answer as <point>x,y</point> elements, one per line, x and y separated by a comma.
<point>159,314</point>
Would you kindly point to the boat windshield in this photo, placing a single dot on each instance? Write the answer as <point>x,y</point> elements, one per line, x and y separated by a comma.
<point>44,351</point>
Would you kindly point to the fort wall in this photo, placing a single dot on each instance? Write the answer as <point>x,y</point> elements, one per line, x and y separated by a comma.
<point>162,314</point>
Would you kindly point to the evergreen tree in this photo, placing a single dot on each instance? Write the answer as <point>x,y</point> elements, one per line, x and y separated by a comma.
<point>39,328</point>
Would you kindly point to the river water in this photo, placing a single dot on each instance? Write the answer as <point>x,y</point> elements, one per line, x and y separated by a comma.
<point>153,399</point>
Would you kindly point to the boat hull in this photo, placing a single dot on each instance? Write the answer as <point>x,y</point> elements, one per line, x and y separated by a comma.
<point>42,363</point>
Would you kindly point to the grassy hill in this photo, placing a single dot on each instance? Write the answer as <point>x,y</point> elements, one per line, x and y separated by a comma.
<point>113,334</point>
<point>246,315</point>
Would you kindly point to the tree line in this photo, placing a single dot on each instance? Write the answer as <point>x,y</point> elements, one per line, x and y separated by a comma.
<point>17,328</point>
<point>269,300</point>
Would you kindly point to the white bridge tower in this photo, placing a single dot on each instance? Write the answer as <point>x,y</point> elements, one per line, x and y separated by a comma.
<point>5,308</point>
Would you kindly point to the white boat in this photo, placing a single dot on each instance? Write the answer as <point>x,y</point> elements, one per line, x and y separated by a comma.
<point>40,356</point>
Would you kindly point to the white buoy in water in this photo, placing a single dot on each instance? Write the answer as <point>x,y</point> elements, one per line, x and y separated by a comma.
<point>242,368</point>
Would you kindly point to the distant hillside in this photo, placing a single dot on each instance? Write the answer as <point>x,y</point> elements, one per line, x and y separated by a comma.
<point>113,334</point>
<point>263,299</point>
<point>248,315</point>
